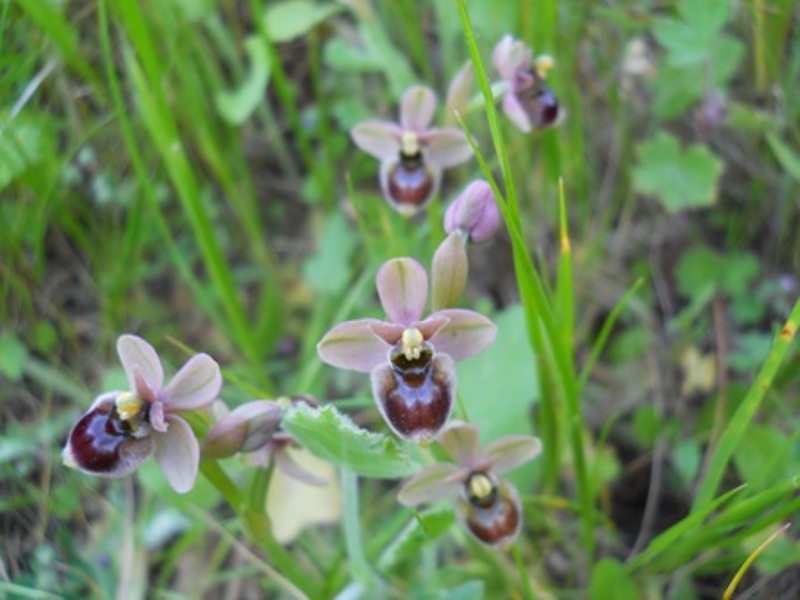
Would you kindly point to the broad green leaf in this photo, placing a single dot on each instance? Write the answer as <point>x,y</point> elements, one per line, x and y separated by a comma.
<point>236,106</point>
<point>420,531</point>
<point>329,269</point>
<point>13,356</point>
<point>763,456</point>
<point>332,436</point>
<point>394,64</point>
<point>688,40</point>
<point>678,87</point>
<point>20,147</point>
<point>609,580</point>
<point>647,424</point>
<point>288,20</point>
<point>750,349</point>
<point>469,590</point>
<point>500,386</point>
<point>678,178</point>
<point>731,274</point>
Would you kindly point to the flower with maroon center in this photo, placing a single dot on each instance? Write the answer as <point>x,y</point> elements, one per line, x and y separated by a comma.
<point>529,102</point>
<point>487,505</point>
<point>412,154</point>
<point>122,429</point>
<point>411,360</point>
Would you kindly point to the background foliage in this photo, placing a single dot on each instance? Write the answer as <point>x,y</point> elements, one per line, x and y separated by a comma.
<point>183,170</point>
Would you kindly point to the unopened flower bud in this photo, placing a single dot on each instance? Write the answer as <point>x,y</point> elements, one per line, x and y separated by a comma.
<point>449,272</point>
<point>474,212</point>
<point>246,429</point>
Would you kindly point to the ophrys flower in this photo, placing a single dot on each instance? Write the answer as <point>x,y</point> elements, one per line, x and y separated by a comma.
<point>412,154</point>
<point>410,359</point>
<point>121,429</point>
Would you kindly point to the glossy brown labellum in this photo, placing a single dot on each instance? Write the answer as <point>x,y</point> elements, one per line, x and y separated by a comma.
<point>417,394</point>
<point>493,519</point>
<point>96,441</point>
<point>539,103</point>
<point>409,182</point>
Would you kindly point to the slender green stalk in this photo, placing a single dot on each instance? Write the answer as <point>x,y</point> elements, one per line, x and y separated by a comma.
<point>360,570</point>
<point>564,285</point>
<point>738,424</point>
<point>605,332</point>
<point>542,327</point>
<point>527,590</point>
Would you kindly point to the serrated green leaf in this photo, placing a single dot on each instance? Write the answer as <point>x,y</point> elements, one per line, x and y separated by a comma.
<point>732,274</point>
<point>288,20</point>
<point>332,436</point>
<point>689,39</point>
<point>236,106</point>
<point>609,580</point>
<point>678,178</point>
<point>420,531</point>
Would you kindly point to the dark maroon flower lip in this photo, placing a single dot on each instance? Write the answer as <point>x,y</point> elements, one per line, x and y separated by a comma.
<point>496,520</point>
<point>103,443</point>
<point>416,395</point>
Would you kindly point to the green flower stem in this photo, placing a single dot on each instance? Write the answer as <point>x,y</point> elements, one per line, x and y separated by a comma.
<point>360,570</point>
<point>527,590</point>
<point>224,484</point>
<point>258,527</point>
<point>543,330</point>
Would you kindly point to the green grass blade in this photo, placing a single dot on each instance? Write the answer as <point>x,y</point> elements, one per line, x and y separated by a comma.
<point>542,326</point>
<point>738,424</point>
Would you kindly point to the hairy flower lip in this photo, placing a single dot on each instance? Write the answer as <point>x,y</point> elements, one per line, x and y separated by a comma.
<point>150,426</point>
<point>372,346</point>
<point>391,143</point>
<point>529,103</point>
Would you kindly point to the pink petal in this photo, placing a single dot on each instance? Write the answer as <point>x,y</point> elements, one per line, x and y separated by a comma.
<point>460,439</point>
<point>429,485</point>
<point>417,107</point>
<point>446,147</point>
<point>380,139</point>
<point>516,112</point>
<point>353,345</point>
<point>178,454</point>
<point>449,272</point>
<point>431,326</point>
<point>391,333</point>
<point>136,354</point>
<point>510,452</point>
<point>510,56</point>
<point>403,289</point>
<point>196,385</point>
<point>466,334</point>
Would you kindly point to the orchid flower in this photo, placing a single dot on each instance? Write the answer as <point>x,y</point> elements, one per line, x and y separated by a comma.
<point>529,102</point>
<point>412,154</point>
<point>121,429</point>
<point>410,360</point>
<point>487,505</point>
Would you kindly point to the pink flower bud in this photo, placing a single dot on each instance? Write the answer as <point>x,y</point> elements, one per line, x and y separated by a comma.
<point>474,213</point>
<point>248,428</point>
